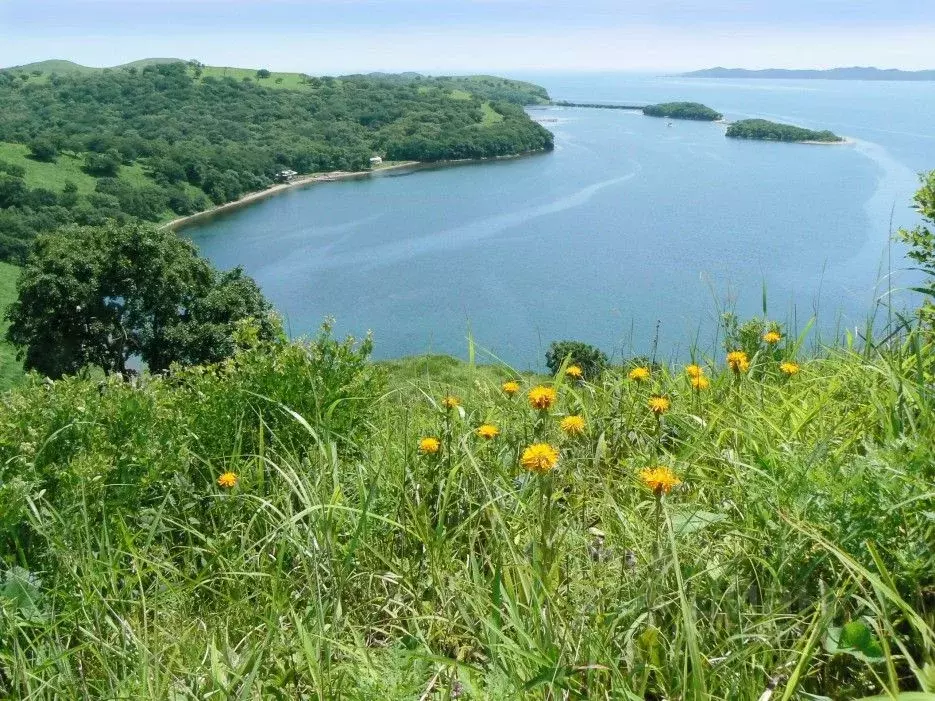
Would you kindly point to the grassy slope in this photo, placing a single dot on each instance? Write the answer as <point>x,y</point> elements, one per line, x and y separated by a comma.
<point>53,176</point>
<point>11,370</point>
<point>281,80</point>
<point>491,116</point>
<point>395,575</point>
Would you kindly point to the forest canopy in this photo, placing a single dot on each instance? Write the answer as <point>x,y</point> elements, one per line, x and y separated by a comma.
<point>170,139</point>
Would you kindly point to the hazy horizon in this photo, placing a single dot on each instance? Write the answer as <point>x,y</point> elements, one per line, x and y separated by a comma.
<point>348,36</point>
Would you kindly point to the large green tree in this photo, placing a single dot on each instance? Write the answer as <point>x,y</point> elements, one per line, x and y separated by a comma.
<point>99,296</point>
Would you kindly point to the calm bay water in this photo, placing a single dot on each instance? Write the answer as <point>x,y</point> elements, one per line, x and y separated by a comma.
<point>626,224</point>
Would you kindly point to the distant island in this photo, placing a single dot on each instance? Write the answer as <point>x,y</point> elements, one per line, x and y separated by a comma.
<point>683,110</point>
<point>764,130</point>
<point>756,129</point>
<point>853,73</point>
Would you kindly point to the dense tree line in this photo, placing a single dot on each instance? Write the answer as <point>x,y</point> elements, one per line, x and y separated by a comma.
<point>203,140</point>
<point>683,110</point>
<point>771,131</point>
<point>102,295</point>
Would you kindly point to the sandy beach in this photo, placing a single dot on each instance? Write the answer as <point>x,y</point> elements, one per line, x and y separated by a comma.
<point>282,187</point>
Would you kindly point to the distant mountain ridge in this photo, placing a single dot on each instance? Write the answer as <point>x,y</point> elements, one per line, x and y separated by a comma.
<point>852,73</point>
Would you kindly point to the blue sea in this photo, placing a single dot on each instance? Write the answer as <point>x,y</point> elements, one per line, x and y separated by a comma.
<point>631,235</point>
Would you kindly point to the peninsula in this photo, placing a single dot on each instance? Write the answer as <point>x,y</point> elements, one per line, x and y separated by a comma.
<point>161,139</point>
<point>764,130</point>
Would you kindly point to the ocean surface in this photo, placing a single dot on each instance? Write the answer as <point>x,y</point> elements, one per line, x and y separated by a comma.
<point>631,235</point>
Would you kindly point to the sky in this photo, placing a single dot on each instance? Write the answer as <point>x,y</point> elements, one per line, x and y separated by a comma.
<point>343,36</point>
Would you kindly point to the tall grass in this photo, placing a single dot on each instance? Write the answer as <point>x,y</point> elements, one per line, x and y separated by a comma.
<point>794,561</point>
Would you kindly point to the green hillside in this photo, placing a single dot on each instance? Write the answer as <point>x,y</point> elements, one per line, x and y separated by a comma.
<point>160,138</point>
<point>63,67</point>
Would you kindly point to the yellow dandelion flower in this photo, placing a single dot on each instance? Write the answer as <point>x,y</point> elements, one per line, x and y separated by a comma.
<point>694,370</point>
<point>488,431</point>
<point>789,367</point>
<point>660,479</point>
<point>638,374</point>
<point>541,397</point>
<point>574,372</point>
<point>429,446</point>
<point>699,383</point>
<point>510,388</point>
<point>539,457</point>
<point>772,337</point>
<point>451,402</point>
<point>572,425</point>
<point>738,361</point>
<point>658,404</point>
<point>228,480</point>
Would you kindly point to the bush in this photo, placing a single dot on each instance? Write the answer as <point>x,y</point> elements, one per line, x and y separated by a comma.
<point>591,360</point>
<point>43,150</point>
<point>105,164</point>
<point>921,242</point>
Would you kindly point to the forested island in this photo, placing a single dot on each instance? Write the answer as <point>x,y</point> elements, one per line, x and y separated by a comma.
<point>683,110</point>
<point>162,138</point>
<point>852,73</point>
<point>764,130</point>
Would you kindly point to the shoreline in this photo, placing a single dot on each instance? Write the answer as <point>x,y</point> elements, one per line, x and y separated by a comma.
<point>256,195</point>
<point>332,176</point>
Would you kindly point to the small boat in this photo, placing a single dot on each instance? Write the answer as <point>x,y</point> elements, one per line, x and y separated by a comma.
<point>668,124</point>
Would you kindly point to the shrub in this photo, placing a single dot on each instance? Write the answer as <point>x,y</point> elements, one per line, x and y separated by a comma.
<point>103,164</point>
<point>43,150</point>
<point>921,242</point>
<point>591,360</point>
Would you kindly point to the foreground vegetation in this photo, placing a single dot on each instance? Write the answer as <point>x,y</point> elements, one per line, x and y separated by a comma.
<point>683,110</point>
<point>278,526</point>
<point>164,139</point>
<point>765,130</point>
